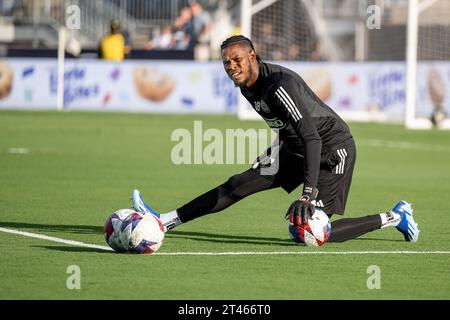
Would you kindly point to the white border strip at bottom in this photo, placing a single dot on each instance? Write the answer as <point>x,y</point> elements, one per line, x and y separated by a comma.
<point>230,253</point>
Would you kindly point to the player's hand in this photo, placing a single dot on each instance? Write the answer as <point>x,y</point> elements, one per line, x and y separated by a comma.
<point>302,209</point>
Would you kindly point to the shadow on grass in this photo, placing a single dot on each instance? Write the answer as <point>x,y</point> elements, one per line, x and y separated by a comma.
<point>74,249</point>
<point>80,229</point>
<point>190,235</point>
<point>377,239</point>
<point>226,238</point>
<point>198,236</point>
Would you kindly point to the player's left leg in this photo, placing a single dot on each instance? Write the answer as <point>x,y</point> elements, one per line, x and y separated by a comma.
<point>258,178</point>
<point>217,199</point>
<point>400,217</point>
<point>334,187</point>
<point>139,204</point>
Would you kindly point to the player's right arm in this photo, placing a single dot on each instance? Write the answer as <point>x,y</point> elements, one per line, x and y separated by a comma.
<point>287,98</point>
<point>286,95</point>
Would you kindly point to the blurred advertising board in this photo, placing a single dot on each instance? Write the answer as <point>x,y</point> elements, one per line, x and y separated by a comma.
<point>357,91</point>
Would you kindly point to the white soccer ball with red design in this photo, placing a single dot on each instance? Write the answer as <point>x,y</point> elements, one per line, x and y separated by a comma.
<point>315,233</point>
<point>112,232</point>
<point>129,230</point>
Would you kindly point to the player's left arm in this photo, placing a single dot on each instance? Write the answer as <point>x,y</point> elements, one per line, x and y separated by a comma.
<point>287,95</point>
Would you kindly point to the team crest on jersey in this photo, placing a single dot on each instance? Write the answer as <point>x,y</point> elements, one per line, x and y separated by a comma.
<point>261,105</point>
<point>264,107</point>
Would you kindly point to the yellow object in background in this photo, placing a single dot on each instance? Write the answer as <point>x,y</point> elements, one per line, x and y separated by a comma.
<point>113,47</point>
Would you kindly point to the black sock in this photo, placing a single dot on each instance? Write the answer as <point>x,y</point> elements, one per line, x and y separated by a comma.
<point>351,228</point>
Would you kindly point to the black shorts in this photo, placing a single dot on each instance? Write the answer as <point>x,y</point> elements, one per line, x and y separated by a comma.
<point>335,177</point>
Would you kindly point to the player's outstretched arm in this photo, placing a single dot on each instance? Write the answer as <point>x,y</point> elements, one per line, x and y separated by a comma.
<point>286,95</point>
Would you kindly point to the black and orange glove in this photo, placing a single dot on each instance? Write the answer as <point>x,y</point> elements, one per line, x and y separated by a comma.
<point>303,208</point>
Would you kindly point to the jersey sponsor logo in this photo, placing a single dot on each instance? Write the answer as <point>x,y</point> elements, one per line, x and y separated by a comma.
<point>275,123</point>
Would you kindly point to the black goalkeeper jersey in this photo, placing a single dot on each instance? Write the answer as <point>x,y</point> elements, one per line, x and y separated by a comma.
<point>305,124</point>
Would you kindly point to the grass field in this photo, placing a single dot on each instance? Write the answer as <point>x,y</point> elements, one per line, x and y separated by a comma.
<point>80,167</point>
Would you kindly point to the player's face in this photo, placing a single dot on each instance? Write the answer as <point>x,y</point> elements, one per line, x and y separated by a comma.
<point>238,64</point>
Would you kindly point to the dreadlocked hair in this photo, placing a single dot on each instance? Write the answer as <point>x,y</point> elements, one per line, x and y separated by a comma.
<point>239,39</point>
<point>236,39</point>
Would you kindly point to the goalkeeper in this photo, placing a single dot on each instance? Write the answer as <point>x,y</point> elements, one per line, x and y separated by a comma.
<point>315,148</point>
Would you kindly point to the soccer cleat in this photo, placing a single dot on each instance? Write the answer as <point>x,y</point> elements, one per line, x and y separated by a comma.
<point>407,225</point>
<point>140,205</point>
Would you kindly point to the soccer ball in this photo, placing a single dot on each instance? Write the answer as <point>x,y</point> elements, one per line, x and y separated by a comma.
<point>313,234</point>
<point>129,230</point>
<point>112,232</point>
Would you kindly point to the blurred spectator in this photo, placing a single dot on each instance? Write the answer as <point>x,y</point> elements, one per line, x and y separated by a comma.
<point>202,23</point>
<point>268,43</point>
<point>162,41</point>
<point>183,30</point>
<point>126,36</point>
<point>290,38</point>
<point>7,7</point>
<point>316,54</point>
<point>191,28</point>
<point>113,46</point>
<point>294,52</point>
<point>222,28</point>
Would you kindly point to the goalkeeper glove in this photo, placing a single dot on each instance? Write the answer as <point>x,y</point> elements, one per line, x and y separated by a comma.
<point>303,208</point>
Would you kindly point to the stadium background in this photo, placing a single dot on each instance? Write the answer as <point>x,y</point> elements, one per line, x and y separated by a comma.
<point>64,170</point>
<point>352,53</point>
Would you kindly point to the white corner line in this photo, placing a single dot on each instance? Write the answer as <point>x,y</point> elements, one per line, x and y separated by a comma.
<point>227,253</point>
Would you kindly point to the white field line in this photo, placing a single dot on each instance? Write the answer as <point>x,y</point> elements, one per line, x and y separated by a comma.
<point>229,253</point>
<point>19,150</point>
<point>404,145</point>
<point>253,253</point>
<point>54,239</point>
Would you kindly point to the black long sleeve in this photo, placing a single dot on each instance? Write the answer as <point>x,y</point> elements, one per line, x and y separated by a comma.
<point>287,99</point>
<point>304,123</point>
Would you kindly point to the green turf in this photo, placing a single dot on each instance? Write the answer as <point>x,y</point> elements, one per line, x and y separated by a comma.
<point>82,166</point>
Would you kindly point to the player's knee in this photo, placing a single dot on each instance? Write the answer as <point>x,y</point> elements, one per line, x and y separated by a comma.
<point>230,184</point>
<point>233,182</point>
<point>233,187</point>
